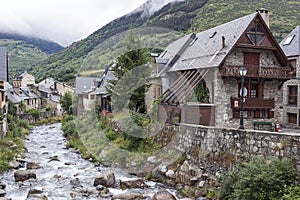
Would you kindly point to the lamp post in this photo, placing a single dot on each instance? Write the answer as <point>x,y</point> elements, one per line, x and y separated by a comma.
<point>243,72</point>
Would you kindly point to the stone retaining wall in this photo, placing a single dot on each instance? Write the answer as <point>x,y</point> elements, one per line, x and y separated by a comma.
<point>211,150</point>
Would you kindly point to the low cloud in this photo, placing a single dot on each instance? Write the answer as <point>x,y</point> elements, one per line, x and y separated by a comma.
<point>61,21</point>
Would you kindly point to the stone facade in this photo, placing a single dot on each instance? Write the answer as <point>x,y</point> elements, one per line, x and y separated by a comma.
<point>154,92</point>
<point>229,87</point>
<point>287,108</point>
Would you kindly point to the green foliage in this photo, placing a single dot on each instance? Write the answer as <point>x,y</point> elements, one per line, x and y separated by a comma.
<point>69,128</point>
<point>66,102</point>
<point>16,133</point>
<point>200,94</point>
<point>131,71</point>
<point>35,113</point>
<point>22,107</point>
<point>12,109</point>
<point>21,55</point>
<point>258,179</point>
<point>291,193</point>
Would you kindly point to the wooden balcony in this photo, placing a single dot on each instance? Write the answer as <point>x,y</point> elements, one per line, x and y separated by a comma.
<point>253,103</point>
<point>282,73</point>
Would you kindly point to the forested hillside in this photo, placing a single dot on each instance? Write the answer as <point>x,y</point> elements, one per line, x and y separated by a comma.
<point>185,17</point>
<point>24,51</point>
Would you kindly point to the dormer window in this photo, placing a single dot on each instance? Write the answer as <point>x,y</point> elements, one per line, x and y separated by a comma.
<point>288,40</point>
<point>255,33</point>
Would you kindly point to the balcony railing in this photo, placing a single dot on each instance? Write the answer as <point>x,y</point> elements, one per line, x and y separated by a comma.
<point>257,72</point>
<point>253,103</point>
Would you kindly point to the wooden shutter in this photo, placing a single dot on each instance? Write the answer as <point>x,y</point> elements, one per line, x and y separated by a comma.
<point>251,58</point>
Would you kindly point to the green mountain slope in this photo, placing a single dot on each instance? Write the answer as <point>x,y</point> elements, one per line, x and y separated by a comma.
<point>185,17</point>
<point>24,51</point>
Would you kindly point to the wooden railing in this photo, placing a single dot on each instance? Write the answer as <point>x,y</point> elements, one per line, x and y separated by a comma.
<point>257,71</point>
<point>253,103</point>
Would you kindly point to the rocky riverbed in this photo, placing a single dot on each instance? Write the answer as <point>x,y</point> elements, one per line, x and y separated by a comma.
<point>50,170</point>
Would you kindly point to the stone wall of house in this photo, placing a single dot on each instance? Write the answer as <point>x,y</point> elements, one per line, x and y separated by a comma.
<point>228,87</point>
<point>210,151</point>
<point>154,91</point>
<point>267,58</point>
<point>291,109</point>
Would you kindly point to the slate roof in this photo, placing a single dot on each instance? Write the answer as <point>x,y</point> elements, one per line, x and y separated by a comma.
<point>11,95</point>
<point>292,47</point>
<point>109,75</point>
<point>84,83</point>
<point>3,64</point>
<point>206,50</point>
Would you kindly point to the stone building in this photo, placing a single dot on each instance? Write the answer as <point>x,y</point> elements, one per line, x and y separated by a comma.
<point>3,95</point>
<point>103,96</point>
<point>291,93</point>
<point>216,56</point>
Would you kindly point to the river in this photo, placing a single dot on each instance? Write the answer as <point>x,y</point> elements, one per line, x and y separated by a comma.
<point>65,176</point>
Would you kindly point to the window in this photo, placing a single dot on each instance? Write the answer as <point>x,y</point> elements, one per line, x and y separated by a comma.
<point>288,40</point>
<point>292,95</point>
<point>255,33</point>
<point>292,118</point>
<point>92,96</point>
<point>253,91</point>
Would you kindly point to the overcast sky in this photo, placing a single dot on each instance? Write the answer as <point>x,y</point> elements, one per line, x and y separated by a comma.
<point>62,21</point>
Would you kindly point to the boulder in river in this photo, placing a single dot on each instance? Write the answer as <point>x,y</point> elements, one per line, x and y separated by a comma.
<point>128,196</point>
<point>23,175</point>
<point>106,179</point>
<point>136,183</point>
<point>15,164</point>
<point>2,186</point>
<point>32,165</point>
<point>163,195</point>
<point>2,193</point>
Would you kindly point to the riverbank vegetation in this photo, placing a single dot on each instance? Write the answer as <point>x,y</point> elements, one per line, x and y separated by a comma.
<point>112,143</point>
<point>259,178</point>
<point>12,144</point>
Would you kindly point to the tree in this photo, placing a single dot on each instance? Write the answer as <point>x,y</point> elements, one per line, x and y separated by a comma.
<point>131,70</point>
<point>66,102</point>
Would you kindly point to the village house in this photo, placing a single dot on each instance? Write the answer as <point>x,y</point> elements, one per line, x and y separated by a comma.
<point>3,96</point>
<point>239,54</point>
<point>291,93</point>
<point>103,96</point>
<point>85,90</point>
<point>51,92</point>
<point>23,87</point>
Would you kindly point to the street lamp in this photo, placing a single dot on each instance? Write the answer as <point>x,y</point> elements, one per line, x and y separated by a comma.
<point>243,93</point>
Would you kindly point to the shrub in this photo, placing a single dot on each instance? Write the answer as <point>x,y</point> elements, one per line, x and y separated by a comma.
<point>291,193</point>
<point>69,129</point>
<point>258,179</point>
<point>35,113</point>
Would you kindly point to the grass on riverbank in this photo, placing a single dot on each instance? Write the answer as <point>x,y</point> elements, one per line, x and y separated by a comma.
<point>13,143</point>
<point>107,145</point>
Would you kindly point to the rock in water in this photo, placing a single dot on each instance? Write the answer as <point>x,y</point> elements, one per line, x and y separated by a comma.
<point>163,195</point>
<point>136,183</point>
<point>2,193</point>
<point>32,165</point>
<point>128,196</point>
<point>106,179</point>
<point>23,175</point>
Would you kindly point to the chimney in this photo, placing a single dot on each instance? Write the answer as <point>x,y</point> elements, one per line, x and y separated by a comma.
<point>265,15</point>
